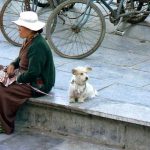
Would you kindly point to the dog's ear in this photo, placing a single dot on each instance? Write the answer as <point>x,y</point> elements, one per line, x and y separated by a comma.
<point>74,71</point>
<point>88,69</point>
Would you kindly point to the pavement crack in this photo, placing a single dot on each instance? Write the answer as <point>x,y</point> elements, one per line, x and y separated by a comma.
<point>105,87</point>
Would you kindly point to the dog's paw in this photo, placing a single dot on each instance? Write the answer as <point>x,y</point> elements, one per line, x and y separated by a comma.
<point>72,100</point>
<point>96,93</point>
<point>80,100</point>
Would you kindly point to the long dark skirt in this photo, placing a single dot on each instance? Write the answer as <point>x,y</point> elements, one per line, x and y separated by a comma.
<point>11,98</point>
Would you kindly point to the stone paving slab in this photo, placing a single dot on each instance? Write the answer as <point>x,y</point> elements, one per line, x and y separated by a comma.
<point>145,66</point>
<point>124,75</point>
<point>126,94</point>
<point>35,140</point>
<point>122,43</point>
<point>135,31</point>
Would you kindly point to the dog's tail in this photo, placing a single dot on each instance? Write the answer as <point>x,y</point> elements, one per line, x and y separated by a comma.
<point>96,92</point>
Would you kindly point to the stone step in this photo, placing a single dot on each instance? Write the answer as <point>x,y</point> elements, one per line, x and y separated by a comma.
<point>69,120</point>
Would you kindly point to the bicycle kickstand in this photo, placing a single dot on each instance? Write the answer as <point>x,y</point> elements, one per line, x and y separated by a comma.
<point>118,29</point>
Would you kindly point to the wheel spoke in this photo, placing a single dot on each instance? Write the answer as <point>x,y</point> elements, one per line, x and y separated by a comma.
<point>68,39</point>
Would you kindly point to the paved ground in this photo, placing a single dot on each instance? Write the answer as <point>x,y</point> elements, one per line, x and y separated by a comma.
<point>121,74</point>
<point>35,140</point>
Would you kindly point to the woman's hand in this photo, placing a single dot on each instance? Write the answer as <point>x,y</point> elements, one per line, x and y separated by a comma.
<point>10,70</point>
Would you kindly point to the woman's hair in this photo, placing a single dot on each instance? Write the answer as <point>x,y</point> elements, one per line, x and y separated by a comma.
<point>40,31</point>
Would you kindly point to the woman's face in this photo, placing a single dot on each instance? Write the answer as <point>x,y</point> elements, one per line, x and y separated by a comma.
<point>24,32</point>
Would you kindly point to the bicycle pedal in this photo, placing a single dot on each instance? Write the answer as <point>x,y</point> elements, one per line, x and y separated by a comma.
<point>118,32</point>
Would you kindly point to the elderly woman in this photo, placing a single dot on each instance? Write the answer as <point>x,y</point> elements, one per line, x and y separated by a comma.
<point>35,70</point>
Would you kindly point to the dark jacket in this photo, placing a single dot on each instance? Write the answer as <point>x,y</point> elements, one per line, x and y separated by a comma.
<point>40,65</point>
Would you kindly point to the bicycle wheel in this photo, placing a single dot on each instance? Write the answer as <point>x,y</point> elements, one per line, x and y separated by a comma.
<point>139,6</point>
<point>10,12</point>
<point>67,39</point>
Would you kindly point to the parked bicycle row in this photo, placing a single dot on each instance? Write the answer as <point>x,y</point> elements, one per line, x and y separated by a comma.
<point>75,28</point>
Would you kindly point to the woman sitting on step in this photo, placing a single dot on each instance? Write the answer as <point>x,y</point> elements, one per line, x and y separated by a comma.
<point>31,74</point>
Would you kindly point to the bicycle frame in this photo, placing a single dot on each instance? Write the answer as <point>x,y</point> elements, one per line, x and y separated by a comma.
<point>116,14</point>
<point>34,5</point>
<point>86,13</point>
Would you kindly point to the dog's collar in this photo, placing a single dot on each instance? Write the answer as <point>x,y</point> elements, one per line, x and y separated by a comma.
<point>73,81</point>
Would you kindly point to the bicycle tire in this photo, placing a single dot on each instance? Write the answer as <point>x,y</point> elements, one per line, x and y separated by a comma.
<point>70,43</point>
<point>9,29</point>
<point>10,12</point>
<point>139,17</point>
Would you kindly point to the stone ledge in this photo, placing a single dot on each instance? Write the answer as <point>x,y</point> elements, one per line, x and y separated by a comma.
<point>69,120</point>
<point>89,108</point>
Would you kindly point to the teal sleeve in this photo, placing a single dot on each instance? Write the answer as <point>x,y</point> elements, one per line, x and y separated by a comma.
<point>36,62</point>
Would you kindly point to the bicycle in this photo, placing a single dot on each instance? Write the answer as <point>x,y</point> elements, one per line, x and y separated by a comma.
<point>11,10</point>
<point>80,31</point>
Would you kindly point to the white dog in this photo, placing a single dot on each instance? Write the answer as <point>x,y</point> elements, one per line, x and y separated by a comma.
<point>79,88</point>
